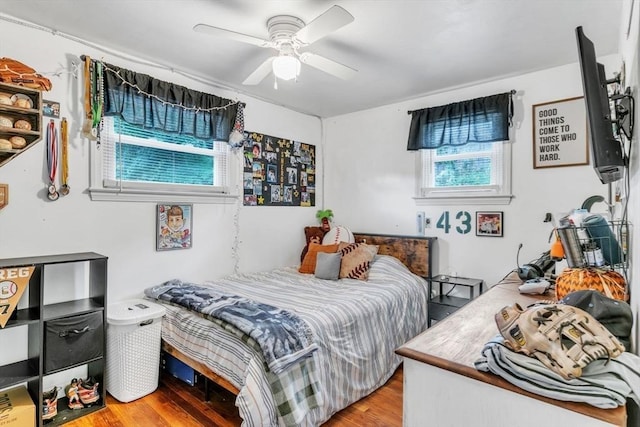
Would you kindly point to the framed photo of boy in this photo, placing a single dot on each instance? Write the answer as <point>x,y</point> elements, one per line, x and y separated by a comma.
<point>174,226</point>
<point>489,224</point>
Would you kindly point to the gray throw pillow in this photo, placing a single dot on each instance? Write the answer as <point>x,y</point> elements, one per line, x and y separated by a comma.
<point>328,265</point>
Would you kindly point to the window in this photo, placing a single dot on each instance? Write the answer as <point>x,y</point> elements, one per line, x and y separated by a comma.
<point>472,173</point>
<point>134,161</point>
<point>465,154</point>
<point>165,144</point>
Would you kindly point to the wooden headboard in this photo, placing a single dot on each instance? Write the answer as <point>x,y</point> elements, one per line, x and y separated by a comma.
<point>413,251</point>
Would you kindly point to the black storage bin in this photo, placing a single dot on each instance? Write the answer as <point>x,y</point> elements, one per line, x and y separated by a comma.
<point>72,340</point>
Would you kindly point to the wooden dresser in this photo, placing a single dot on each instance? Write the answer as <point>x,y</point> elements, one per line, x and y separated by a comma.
<point>442,387</point>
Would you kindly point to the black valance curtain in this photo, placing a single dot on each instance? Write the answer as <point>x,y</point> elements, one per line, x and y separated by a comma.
<point>155,104</point>
<point>484,119</point>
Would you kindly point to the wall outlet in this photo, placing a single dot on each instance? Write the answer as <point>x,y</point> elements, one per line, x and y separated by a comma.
<point>420,222</point>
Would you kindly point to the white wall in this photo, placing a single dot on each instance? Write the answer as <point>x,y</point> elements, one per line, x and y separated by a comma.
<point>125,232</point>
<point>629,46</point>
<point>370,180</point>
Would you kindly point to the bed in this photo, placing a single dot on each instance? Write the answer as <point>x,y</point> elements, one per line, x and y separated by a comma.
<point>357,326</point>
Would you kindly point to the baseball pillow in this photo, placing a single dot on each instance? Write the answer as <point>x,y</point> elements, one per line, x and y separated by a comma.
<point>356,260</point>
<point>338,234</point>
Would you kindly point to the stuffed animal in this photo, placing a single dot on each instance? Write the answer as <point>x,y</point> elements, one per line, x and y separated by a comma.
<point>312,234</point>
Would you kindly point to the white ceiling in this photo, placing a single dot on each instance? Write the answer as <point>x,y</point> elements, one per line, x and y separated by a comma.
<point>402,49</point>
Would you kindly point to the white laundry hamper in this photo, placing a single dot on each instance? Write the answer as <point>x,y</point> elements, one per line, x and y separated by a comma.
<point>133,348</point>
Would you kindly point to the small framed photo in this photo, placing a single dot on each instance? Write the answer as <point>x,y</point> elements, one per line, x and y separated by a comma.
<point>174,226</point>
<point>489,224</point>
<point>51,109</point>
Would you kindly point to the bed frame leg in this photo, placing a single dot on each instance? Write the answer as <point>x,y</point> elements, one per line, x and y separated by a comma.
<point>207,391</point>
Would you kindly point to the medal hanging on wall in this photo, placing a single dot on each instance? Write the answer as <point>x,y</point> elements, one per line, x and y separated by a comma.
<point>64,141</point>
<point>52,159</point>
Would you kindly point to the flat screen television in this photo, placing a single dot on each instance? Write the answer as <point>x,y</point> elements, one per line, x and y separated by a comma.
<point>606,151</point>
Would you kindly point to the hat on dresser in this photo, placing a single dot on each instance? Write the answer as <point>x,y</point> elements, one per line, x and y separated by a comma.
<point>615,315</point>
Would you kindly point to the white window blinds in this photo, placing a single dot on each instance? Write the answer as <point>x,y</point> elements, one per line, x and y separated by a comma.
<point>135,157</point>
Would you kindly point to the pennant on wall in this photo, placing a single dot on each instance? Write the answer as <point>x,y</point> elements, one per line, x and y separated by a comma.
<point>13,282</point>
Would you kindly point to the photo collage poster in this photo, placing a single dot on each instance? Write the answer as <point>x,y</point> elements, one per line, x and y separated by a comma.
<point>278,172</point>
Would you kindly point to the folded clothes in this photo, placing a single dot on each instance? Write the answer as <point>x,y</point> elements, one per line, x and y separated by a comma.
<point>603,383</point>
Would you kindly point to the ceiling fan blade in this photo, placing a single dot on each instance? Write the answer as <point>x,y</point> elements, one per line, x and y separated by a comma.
<point>221,32</point>
<point>260,73</point>
<point>328,66</point>
<point>331,20</point>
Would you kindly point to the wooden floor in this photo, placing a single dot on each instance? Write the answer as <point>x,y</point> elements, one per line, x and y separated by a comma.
<point>178,404</point>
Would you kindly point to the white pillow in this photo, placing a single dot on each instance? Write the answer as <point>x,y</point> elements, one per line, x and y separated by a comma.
<point>338,234</point>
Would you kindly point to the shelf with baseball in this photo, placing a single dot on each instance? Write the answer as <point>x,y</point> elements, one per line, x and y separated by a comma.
<point>20,120</point>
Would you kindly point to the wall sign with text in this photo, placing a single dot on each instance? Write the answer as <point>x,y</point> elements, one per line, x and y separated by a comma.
<point>560,134</point>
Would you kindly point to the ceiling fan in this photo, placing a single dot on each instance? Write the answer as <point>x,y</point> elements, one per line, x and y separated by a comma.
<point>288,34</point>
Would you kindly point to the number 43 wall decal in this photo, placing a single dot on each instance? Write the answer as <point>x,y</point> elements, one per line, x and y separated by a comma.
<point>462,222</point>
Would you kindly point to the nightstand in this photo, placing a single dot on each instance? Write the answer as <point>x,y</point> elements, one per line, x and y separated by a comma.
<point>443,304</point>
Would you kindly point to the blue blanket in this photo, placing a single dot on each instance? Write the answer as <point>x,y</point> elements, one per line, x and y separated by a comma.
<point>282,336</point>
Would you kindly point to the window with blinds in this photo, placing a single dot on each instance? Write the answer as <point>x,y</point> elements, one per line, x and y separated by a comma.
<point>138,157</point>
<point>136,163</point>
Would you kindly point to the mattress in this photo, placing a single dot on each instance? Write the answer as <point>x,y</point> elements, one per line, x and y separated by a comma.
<point>357,327</point>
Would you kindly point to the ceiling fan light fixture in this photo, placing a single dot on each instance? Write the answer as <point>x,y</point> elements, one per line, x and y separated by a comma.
<point>286,67</point>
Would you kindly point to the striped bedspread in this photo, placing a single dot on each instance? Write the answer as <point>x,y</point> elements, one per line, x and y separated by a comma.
<point>283,337</point>
<point>357,325</point>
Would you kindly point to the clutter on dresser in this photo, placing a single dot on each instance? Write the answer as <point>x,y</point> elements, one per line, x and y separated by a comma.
<point>564,338</point>
<point>595,247</point>
<point>570,350</point>
<point>613,314</point>
<point>593,239</point>
<point>608,282</point>
<point>535,286</point>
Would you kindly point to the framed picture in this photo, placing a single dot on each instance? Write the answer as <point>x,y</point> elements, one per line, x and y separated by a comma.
<point>490,224</point>
<point>51,109</point>
<point>560,134</point>
<point>174,226</point>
